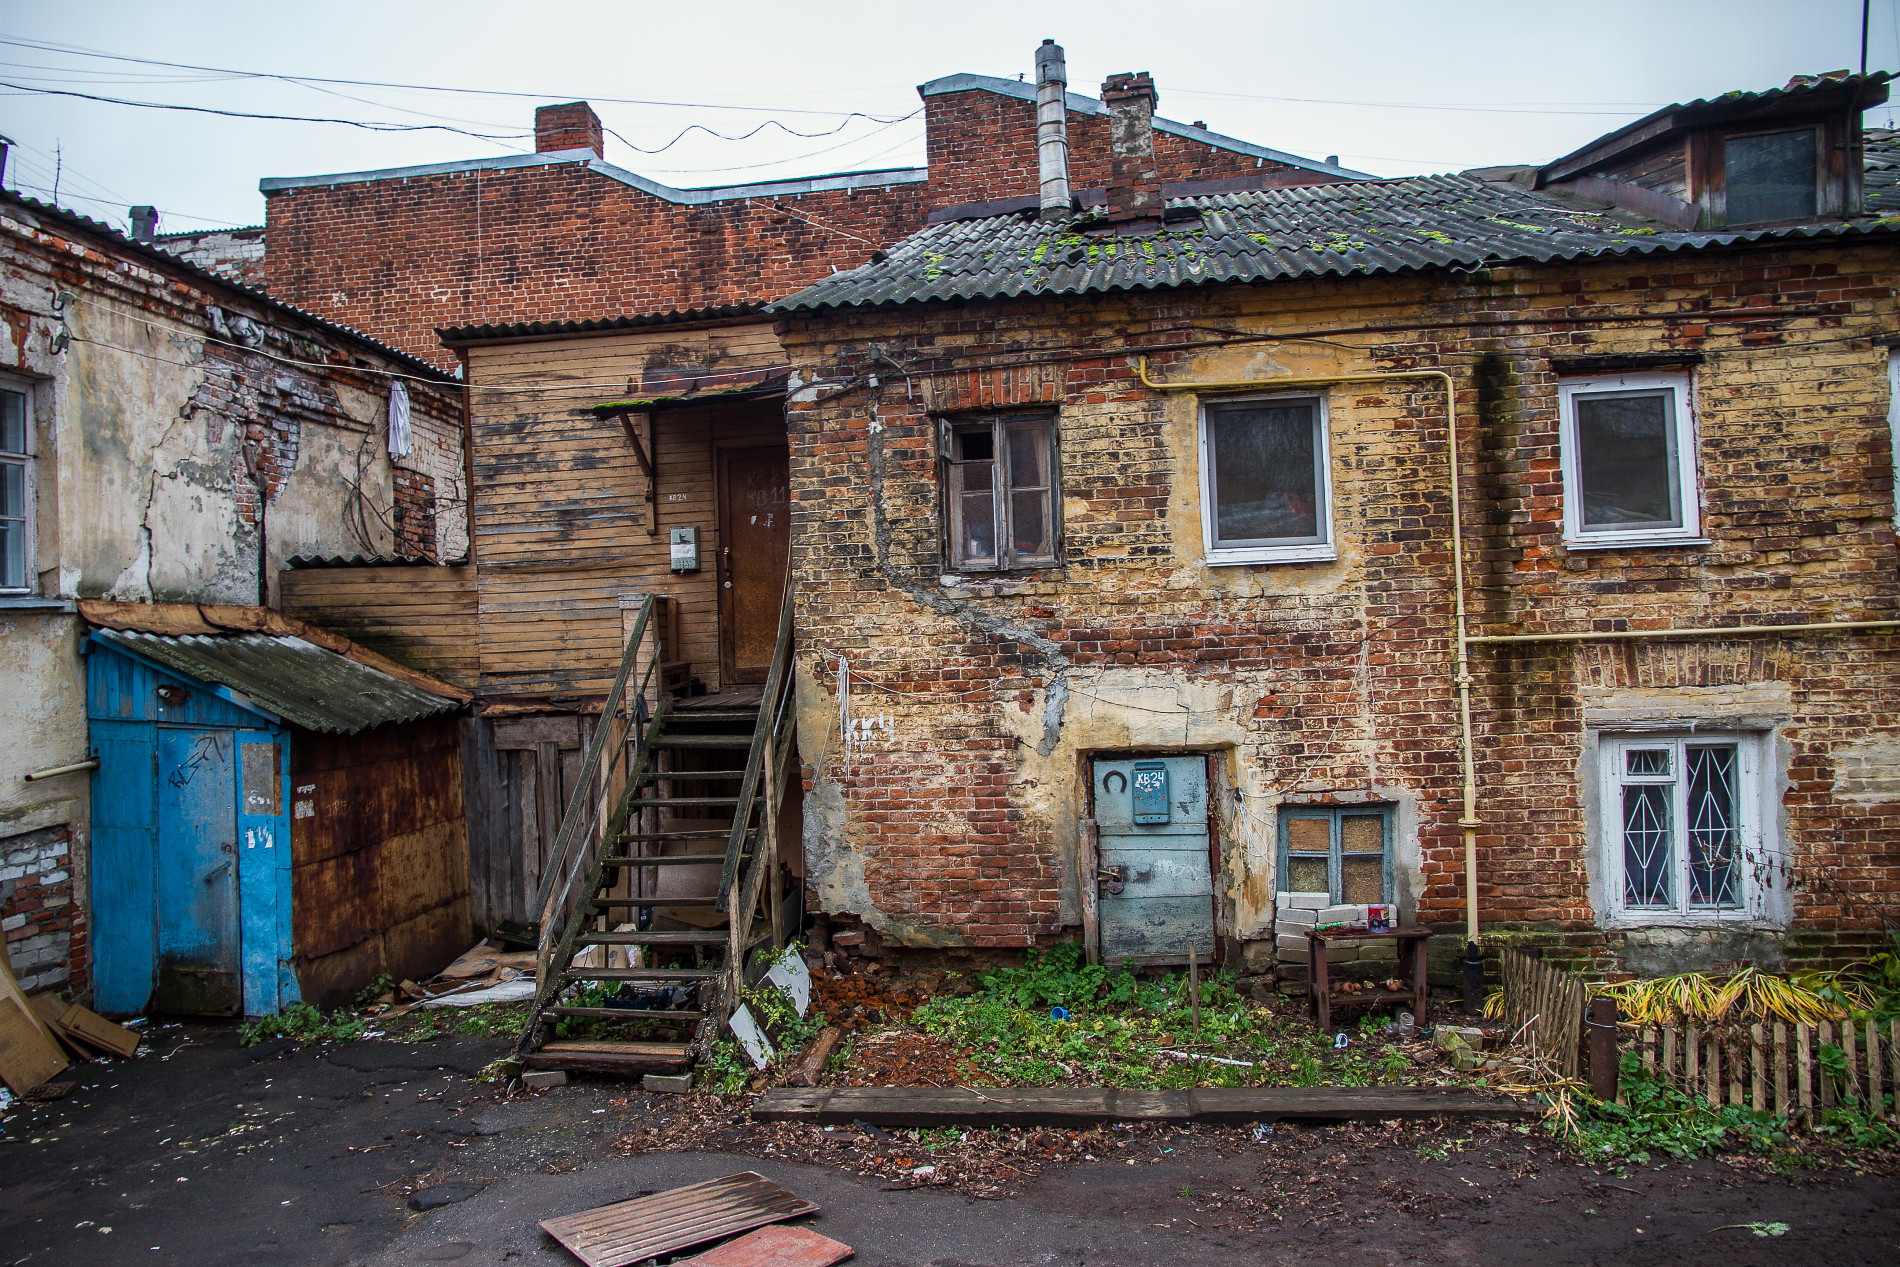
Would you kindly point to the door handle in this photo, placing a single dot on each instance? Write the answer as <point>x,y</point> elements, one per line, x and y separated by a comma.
<point>217,871</point>
<point>725,567</point>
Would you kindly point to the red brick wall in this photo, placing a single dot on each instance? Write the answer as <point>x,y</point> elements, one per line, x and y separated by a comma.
<point>401,258</point>
<point>1331,682</point>
<point>43,928</point>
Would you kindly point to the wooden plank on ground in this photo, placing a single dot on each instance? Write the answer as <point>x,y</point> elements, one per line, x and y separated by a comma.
<point>777,1246</point>
<point>27,1056</point>
<point>651,1226</point>
<point>1088,1106</point>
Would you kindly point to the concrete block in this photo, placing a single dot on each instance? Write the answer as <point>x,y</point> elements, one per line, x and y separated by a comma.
<point>1309,901</point>
<point>1290,941</point>
<point>1384,951</point>
<point>540,1079</point>
<point>1342,954</point>
<point>1256,956</point>
<point>1295,915</point>
<point>1292,954</point>
<point>668,1083</point>
<point>1343,914</point>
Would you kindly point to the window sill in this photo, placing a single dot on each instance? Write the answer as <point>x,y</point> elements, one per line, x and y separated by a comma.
<point>1270,554</point>
<point>32,602</point>
<point>1630,920</point>
<point>1633,540</point>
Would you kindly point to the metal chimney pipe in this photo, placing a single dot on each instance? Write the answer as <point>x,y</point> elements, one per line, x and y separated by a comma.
<point>1052,130</point>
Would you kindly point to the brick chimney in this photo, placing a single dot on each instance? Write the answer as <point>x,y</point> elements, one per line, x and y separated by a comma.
<point>573,126</point>
<point>1134,187</point>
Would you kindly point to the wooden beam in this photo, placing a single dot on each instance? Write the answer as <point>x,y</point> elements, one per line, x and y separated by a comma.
<point>645,452</point>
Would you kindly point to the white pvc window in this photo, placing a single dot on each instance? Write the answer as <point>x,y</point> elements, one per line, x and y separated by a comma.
<point>1266,480</point>
<point>1629,460</point>
<point>1682,825</point>
<point>16,492</point>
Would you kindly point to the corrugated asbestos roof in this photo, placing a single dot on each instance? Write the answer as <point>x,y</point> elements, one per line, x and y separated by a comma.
<point>297,680</point>
<point>1386,226</point>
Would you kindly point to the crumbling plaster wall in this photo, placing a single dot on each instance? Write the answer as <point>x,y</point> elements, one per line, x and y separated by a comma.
<point>954,822</point>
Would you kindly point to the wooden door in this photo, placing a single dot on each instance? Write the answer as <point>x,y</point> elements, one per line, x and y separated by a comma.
<point>755,535</point>
<point>1152,821</point>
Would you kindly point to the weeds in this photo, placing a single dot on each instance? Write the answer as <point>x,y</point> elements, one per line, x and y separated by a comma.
<point>303,1023</point>
<point>1655,1117</point>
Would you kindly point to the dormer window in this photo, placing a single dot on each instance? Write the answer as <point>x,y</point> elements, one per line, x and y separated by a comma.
<point>1771,176</point>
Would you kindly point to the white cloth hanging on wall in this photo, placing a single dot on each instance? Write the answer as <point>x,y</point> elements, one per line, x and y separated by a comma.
<point>399,443</point>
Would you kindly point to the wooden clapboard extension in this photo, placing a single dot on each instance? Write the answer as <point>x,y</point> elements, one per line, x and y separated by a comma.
<point>648,1227</point>
<point>1089,1106</point>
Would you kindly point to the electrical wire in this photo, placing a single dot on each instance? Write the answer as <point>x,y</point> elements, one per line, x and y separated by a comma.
<point>247,114</point>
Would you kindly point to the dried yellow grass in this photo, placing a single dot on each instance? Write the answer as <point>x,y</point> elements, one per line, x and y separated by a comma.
<point>1741,997</point>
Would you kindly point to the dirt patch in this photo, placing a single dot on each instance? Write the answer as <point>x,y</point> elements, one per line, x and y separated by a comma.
<point>897,1059</point>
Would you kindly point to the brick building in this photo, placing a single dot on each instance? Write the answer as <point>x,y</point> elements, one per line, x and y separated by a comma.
<point>625,387</point>
<point>1242,501</point>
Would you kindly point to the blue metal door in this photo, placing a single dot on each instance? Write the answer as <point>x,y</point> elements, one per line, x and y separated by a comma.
<point>270,981</point>
<point>1152,834</point>
<point>196,874</point>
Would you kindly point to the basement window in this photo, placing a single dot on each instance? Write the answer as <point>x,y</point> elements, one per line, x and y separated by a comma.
<point>1681,825</point>
<point>1629,468</point>
<point>15,491</point>
<point>1000,479</point>
<point>1771,176</point>
<point>1344,852</point>
<point>1266,482</point>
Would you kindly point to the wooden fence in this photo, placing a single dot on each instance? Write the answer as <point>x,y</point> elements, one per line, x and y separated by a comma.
<point>1544,1007</point>
<point>1793,1070</point>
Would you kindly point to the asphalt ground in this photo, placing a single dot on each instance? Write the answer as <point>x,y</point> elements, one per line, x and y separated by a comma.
<point>205,1153</point>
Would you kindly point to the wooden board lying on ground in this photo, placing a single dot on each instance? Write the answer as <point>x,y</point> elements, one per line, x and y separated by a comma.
<point>649,1227</point>
<point>773,1247</point>
<point>1087,1106</point>
<point>27,1056</point>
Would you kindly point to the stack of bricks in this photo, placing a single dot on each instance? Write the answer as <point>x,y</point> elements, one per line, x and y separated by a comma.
<point>44,940</point>
<point>1297,914</point>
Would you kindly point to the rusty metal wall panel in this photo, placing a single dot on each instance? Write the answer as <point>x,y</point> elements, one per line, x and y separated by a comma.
<point>629,1231</point>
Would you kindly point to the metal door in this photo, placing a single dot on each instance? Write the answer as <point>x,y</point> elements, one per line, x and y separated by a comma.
<point>1152,836</point>
<point>196,874</point>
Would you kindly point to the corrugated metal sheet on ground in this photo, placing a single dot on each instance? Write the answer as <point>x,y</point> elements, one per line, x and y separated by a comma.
<point>297,680</point>
<point>629,1231</point>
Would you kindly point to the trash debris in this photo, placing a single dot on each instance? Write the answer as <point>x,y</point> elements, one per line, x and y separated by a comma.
<point>542,1079</point>
<point>793,980</point>
<point>875,1132</point>
<point>1340,1041</point>
<point>773,1247</point>
<point>1059,1014</point>
<point>1262,1132</point>
<point>518,990</point>
<point>1194,1055</point>
<point>751,1038</point>
<point>628,1232</point>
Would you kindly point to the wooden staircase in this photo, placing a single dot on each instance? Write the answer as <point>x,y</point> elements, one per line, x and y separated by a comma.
<point>662,885</point>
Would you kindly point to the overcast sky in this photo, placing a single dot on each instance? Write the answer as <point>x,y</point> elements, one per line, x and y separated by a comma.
<point>1392,88</point>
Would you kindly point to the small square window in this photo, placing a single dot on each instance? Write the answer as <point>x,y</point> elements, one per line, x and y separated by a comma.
<point>1266,484</point>
<point>1628,448</point>
<point>1000,493</point>
<point>1344,852</point>
<point>1770,176</point>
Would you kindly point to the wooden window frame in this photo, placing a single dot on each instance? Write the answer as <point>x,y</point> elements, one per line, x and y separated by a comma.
<point>1290,550</point>
<point>1336,854</point>
<point>23,459</point>
<point>1002,524</point>
<point>1577,536</point>
<point>1752,810</point>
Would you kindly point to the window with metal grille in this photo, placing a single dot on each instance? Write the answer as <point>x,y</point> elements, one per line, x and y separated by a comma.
<point>1000,481</point>
<point>1680,815</point>
<point>1771,176</point>
<point>1629,469</point>
<point>1344,851</point>
<point>1266,483</point>
<point>15,490</point>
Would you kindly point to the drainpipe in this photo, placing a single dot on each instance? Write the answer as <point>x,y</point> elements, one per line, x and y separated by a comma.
<point>1052,130</point>
<point>1461,640</point>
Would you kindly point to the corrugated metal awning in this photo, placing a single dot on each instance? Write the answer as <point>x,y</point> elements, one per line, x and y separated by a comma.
<point>294,679</point>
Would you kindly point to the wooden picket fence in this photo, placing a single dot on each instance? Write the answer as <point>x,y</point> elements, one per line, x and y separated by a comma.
<point>1544,1007</point>
<point>1779,1067</point>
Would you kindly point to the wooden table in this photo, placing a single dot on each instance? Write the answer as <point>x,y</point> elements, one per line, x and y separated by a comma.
<point>1320,995</point>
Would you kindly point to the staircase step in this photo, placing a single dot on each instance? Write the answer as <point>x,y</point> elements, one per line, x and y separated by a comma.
<point>607,1057</point>
<point>711,833</point>
<point>701,741</point>
<point>673,860</point>
<point>571,973</point>
<point>669,938</point>
<point>623,1013</point>
<point>657,776</point>
<point>679,715</point>
<point>681,802</point>
<point>613,903</point>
